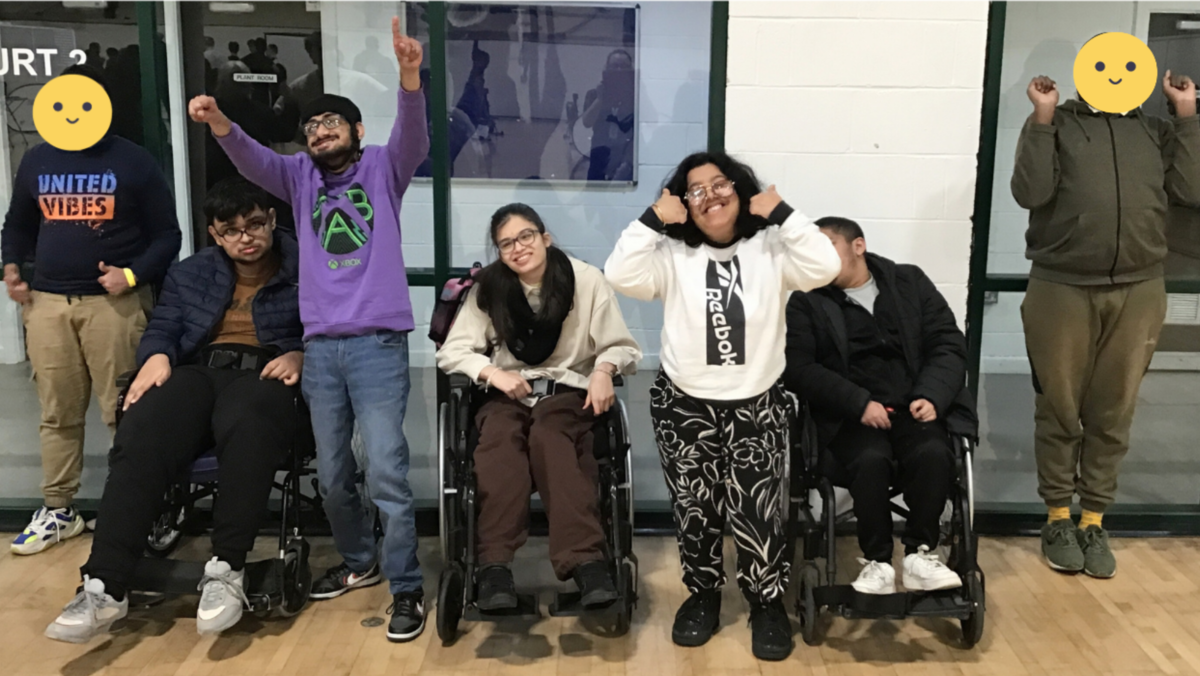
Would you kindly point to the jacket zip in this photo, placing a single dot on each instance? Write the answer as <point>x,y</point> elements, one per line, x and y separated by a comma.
<point>1117,173</point>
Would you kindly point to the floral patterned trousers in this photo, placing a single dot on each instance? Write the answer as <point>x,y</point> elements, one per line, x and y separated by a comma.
<point>726,462</point>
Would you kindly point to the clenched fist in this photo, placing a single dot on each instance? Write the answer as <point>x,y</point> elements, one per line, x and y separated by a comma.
<point>204,109</point>
<point>764,203</point>
<point>671,209</point>
<point>1043,92</point>
<point>1181,92</point>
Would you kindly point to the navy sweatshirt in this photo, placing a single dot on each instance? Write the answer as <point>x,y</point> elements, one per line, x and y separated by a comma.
<point>72,210</point>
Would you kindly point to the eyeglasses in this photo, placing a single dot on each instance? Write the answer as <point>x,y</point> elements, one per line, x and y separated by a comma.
<point>722,187</point>
<point>331,122</point>
<point>525,238</point>
<point>234,234</point>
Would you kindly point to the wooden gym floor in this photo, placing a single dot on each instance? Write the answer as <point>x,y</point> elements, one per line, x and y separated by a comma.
<point>1144,621</point>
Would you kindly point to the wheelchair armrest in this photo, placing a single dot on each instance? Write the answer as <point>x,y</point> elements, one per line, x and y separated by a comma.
<point>618,380</point>
<point>126,379</point>
<point>459,381</point>
<point>963,444</point>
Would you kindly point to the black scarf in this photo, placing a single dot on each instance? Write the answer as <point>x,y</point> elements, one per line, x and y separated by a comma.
<point>535,335</point>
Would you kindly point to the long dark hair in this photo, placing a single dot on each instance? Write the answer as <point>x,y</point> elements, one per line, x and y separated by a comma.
<point>745,184</point>
<point>497,283</point>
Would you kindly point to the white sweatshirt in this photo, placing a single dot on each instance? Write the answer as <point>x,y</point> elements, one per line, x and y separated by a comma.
<point>724,328</point>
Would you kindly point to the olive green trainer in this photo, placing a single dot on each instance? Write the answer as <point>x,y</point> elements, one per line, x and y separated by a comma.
<point>1060,546</point>
<point>1098,559</point>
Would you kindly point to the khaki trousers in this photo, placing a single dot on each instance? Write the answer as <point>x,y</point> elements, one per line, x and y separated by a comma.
<point>77,344</point>
<point>1089,347</point>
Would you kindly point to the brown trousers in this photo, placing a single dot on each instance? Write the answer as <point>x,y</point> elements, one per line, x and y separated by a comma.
<point>77,345</point>
<point>548,447</point>
<point>1089,347</point>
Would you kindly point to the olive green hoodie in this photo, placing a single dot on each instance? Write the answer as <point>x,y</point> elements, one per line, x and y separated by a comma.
<point>1097,187</point>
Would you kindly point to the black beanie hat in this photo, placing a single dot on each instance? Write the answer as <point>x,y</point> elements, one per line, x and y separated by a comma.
<point>331,103</point>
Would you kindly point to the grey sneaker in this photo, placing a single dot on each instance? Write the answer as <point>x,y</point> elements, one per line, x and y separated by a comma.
<point>1098,559</point>
<point>90,613</point>
<point>1060,546</point>
<point>222,597</point>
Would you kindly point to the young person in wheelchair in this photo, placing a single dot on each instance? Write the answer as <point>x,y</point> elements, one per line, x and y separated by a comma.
<point>880,361</point>
<point>219,364</point>
<point>544,336</point>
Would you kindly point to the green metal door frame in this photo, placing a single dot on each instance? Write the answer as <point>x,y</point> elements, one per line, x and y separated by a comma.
<point>718,68</point>
<point>153,62</point>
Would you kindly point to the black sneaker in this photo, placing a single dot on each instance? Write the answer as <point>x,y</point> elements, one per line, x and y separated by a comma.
<point>496,588</point>
<point>697,619</point>
<point>408,617</point>
<point>340,579</point>
<point>770,630</point>
<point>595,584</point>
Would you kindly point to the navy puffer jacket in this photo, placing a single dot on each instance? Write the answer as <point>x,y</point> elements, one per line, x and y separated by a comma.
<point>198,291</point>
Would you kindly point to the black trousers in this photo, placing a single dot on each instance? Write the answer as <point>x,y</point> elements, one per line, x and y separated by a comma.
<point>913,456</point>
<point>724,463</point>
<point>250,423</point>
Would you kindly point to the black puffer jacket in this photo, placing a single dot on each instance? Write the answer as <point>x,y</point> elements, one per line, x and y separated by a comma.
<point>199,289</point>
<point>934,348</point>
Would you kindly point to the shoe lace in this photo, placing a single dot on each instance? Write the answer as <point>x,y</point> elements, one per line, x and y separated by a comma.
<point>339,572</point>
<point>227,584</point>
<point>872,570</point>
<point>926,560</point>
<point>1061,535</point>
<point>84,601</point>
<point>44,522</point>
<point>768,614</point>
<point>1093,538</point>
<point>404,604</point>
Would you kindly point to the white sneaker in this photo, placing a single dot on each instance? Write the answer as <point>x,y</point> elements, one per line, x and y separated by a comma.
<point>875,578</point>
<point>924,572</point>
<point>48,527</point>
<point>90,613</point>
<point>222,597</point>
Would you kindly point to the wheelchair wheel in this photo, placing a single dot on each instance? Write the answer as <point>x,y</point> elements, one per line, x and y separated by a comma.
<point>806,603</point>
<point>627,584</point>
<point>972,627</point>
<point>450,603</point>
<point>167,532</point>
<point>296,582</point>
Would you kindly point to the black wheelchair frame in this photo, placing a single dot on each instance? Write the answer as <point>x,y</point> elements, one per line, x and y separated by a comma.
<point>818,540</point>
<point>280,584</point>
<point>457,438</point>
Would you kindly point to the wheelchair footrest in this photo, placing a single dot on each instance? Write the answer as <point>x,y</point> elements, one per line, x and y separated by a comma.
<point>528,608</point>
<point>844,600</point>
<point>181,578</point>
<point>569,604</point>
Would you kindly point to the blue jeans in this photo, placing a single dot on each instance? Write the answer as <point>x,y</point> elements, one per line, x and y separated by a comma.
<point>364,378</point>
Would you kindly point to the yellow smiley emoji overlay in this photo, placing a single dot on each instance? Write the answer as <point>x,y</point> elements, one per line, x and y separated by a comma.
<point>1115,72</point>
<point>72,112</point>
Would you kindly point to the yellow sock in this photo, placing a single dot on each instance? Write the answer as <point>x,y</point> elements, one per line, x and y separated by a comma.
<point>1090,519</point>
<point>1059,513</point>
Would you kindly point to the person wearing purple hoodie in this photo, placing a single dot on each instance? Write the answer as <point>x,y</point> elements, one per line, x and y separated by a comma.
<point>357,315</point>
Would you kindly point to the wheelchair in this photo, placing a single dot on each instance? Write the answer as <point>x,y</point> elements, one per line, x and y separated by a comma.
<point>278,585</point>
<point>815,469</point>
<point>457,590</point>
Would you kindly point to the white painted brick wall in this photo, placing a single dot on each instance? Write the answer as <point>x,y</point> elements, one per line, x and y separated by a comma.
<point>868,110</point>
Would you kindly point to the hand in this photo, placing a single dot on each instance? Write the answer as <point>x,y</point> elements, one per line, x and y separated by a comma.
<point>764,203</point>
<point>153,373</point>
<point>1181,92</point>
<point>922,410</point>
<point>1044,94</point>
<point>204,109</point>
<point>286,367</point>
<point>600,395</point>
<point>18,290</point>
<point>113,279</point>
<point>671,209</point>
<point>511,384</point>
<point>876,416</point>
<point>408,54</point>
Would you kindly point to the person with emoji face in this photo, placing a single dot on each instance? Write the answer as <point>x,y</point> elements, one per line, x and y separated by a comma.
<point>93,214</point>
<point>1097,175</point>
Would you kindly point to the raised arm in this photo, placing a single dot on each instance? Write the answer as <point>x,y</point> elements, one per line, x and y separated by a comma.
<point>809,259</point>
<point>637,267</point>
<point>259,164</point>
<point>1181,148</point>
<point>1036,170</point>
<point>408,144</point>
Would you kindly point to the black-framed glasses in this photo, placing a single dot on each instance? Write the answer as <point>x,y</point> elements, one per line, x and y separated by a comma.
<point>525,237</point>
<point>234,234</point>
<point>331,122</point>
<point>722,187</point>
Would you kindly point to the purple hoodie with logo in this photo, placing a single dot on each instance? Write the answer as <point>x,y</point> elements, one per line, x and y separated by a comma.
<point>352,276</point>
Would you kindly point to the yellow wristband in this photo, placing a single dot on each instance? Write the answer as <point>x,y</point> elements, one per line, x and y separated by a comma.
<point>130,277</point>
